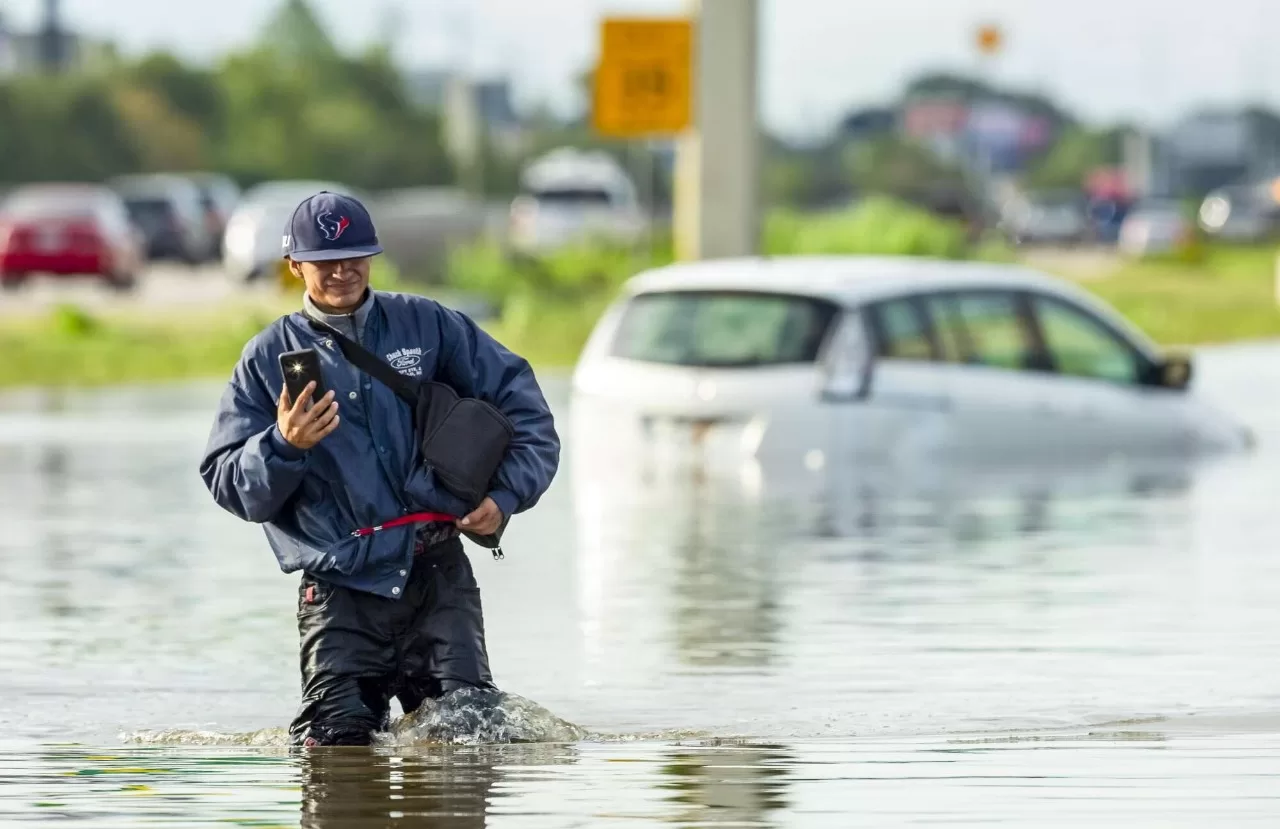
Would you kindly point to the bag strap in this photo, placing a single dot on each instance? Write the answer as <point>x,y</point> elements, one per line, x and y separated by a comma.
<point>370,364</point>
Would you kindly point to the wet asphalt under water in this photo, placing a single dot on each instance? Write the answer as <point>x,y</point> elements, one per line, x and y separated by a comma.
<point>1094,648</point>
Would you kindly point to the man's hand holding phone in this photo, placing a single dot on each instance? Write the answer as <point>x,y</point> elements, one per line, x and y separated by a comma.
<point>304,426</point>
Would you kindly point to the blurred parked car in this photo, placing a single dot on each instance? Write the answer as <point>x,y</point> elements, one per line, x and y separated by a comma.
<point>1048,219</point>
<point>1240,213</point>
<point>219,195</point>
<point>1154,227</point>
<point>170,212</point>
<point>568,196</point>
<point>68,230</point>
<point>884,361</point>
<point>252,246</point>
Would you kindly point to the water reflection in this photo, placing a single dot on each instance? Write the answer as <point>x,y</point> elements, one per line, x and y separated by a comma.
<point>57,592</point>
<point>724,585</point>
<point>711,552</point>
<point>707,565</point>
<point>448,789</point>
<point>738,786</point>
<point>455,788</point>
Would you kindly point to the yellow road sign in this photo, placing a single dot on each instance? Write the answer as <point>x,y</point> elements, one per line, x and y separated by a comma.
<point>989,39</point>
<point>644,82</point>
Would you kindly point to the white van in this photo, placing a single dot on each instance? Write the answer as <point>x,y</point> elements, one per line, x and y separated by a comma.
<point>570,196</point>
<point>885,359</point>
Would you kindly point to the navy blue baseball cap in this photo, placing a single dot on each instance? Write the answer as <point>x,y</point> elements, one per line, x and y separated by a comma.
<point>330,226</point>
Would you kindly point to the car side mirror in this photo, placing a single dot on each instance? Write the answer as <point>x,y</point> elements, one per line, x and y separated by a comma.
<point>1174,372</point>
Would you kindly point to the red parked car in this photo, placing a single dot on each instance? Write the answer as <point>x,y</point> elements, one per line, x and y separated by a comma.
<point>67,230</point>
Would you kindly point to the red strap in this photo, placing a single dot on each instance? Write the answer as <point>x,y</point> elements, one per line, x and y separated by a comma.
<point>412,518</point>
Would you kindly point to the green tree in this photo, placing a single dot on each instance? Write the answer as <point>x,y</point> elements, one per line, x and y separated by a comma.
<point>1071,158</point>
<point>61,128</point>
<point>300,109</point>
<point>296,33</point>
<point>898,167</point>
<point>163,140</point>
<point>189,92</point>
<point>291,106</point>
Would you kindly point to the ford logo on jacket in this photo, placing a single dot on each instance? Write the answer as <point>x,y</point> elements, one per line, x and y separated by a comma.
<point>369,470</point>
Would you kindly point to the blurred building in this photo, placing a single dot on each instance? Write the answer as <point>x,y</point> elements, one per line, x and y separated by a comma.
<point>1215,148</point>
<point>1004,138</point>
<point>473,111</point>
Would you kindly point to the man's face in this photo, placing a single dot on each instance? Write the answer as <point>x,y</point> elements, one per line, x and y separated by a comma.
<point>336,286</point>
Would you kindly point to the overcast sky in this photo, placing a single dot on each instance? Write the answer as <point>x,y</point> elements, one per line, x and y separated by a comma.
<point>1106,59</point>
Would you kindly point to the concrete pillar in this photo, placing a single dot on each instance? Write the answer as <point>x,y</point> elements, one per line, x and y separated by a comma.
<point>1138,163</point>
<point>717,187</point>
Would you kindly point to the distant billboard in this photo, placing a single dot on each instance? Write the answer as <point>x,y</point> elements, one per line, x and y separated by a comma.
<point>934,119</point>
<point>1005,136</point>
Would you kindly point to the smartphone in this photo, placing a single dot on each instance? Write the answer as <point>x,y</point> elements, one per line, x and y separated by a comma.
<point>300,368</point>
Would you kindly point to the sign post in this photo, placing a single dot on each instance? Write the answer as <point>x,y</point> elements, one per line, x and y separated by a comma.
<point>717,192</point>
<point>694,80</point>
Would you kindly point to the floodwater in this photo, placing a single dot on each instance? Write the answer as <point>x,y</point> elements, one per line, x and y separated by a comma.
<point>1085,650</point>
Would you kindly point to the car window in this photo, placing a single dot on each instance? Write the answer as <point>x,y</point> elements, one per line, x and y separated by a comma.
<point>151,214</point>
<point>993,329</point>
<point>948,328</point>
<point>1082,346</point>
<point>903,332</point>
<point>573,197</point>
<point>722,329</point>
<point>188,204</point>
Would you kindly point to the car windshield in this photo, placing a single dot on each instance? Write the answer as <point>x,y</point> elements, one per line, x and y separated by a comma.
<point>723,329</point>
<point>151,214</point>
<point>573,197</point>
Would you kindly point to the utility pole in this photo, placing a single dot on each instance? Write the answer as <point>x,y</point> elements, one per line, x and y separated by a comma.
<point>52,54</point>
<point>718,167</point>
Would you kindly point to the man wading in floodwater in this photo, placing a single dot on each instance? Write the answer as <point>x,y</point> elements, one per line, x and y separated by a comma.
<point>396,611</point>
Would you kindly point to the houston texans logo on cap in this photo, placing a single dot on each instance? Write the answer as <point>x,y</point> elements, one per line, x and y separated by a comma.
<point>331,228</point>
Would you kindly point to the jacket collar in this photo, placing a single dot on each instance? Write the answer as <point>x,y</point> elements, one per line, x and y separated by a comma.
<point>353,324</point>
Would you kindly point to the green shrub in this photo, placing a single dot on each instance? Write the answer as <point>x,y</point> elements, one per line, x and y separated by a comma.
<point>568,274</point>
<point>877,226</point>
<point>73,322</point>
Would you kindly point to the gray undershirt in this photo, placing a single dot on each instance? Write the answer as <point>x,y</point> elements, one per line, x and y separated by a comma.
<point>351,324</point>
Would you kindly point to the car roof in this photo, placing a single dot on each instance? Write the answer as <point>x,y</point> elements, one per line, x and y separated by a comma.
<point>570,168</point>
<point>853,281</point>
<point>152,182</point>
<point>847,280</point>
<point>72,197</point>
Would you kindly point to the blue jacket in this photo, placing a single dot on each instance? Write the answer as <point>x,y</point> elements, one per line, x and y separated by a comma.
<point>369,470</point>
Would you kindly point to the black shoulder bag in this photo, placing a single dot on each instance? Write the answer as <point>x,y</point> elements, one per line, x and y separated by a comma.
<point>463,439</point>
